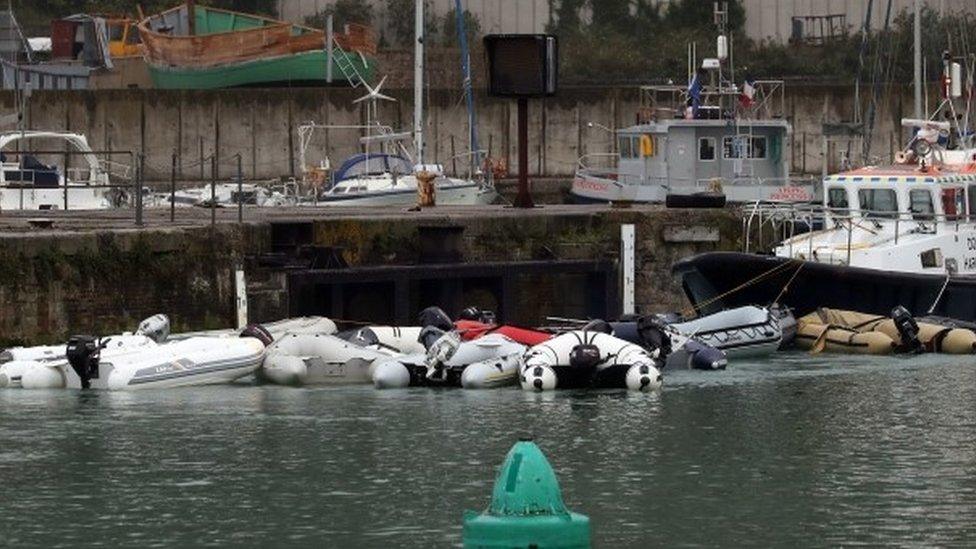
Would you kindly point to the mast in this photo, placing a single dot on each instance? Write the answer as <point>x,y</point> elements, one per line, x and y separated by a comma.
<point>191,17</point>
<point>418,86</point>
<point>918,60</point>
<point>468,93</point>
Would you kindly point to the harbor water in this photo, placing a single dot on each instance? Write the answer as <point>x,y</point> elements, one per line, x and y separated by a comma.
<point>793,451</point>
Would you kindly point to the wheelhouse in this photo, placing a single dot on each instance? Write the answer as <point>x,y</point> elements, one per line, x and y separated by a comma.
<point>915,197</point>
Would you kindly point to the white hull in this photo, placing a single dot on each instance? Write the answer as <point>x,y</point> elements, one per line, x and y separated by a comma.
<point>484,363</point>
<point>622,364</point>
<point>80,197</point>
<point>590,188</point>
<point>739,333</point>
<point>454,195</point>
<point>307,359</point>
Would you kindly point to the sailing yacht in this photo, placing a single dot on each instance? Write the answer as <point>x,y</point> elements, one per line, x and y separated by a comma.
<point>385,174</point>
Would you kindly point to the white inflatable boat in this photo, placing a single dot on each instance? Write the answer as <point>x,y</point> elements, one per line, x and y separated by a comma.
<point>192,361</point>
<point>741,332</point>
<point>316,359</point>
<point>401,340</point>
<point>487,362</point>
<point>585,359</point>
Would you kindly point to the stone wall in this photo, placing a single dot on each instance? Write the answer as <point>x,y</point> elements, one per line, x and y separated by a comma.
<point>262,126</point>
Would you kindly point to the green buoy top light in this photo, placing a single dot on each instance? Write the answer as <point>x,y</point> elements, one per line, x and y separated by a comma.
<point>527,509</point>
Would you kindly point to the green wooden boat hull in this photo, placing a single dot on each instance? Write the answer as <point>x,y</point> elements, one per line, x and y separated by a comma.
<point>307,68</point>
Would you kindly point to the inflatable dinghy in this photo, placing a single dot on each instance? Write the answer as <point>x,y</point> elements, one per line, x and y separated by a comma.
<point>740,332</point>
<point>840,331</point>
<point>584,359</point>
<point>192,361</point>
<point>677,351</point>
<point>399,340</point>
<point>316,359</point>
<point>489,361</point>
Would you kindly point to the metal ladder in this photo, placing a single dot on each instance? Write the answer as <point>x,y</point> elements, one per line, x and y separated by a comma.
<point>346,66</point>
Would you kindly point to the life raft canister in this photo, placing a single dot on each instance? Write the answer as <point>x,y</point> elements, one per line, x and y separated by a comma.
<point>646,145</point>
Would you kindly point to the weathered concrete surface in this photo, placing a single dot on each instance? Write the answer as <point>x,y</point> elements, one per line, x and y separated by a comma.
<point>93,272</point>
<point>262,125</point>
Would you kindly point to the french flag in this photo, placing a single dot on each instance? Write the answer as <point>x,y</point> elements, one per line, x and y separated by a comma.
<point>748,93</point>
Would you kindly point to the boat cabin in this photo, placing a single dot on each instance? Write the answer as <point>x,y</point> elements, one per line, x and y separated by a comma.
<point>907,195</point>
<point>695,153</point>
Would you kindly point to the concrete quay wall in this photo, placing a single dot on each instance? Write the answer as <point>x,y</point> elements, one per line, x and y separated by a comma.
<point>262,126</point>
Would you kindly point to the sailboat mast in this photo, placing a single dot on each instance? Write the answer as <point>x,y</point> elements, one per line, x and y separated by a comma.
<point>468,92</point>
<point>918,60</point>
<point>418,86</point>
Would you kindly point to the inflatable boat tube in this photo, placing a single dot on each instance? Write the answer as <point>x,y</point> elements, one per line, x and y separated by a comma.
<point>487,362</point>
<point>838,339</point>
<point>471,329</point>
<point>741,332</point>
<point>317,359</point>
<point>935,338</point>
<point>13,372</point>
<point>582,359</point>
<point>400,340</point>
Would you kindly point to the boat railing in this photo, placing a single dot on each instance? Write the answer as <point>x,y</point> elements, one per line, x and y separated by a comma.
<point>472,168</point>
<point>115,169</point>
<point>795,223</point>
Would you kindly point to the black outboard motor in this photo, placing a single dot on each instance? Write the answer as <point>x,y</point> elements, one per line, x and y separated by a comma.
<point>83,354</point>
<point>258,332</point>
<point>428,335</point>
<point>653,335</point>
<point>597,325</point>
<point>907,329</point>
<point>436,317</point>
<point>477,315</point>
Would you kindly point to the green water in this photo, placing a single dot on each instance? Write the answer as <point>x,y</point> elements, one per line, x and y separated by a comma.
<point>789,452</point>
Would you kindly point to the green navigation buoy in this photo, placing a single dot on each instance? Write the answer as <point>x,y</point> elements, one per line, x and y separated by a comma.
<point>527,509</point>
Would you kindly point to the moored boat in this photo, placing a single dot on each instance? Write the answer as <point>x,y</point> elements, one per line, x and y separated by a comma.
<point>319,359</point>
<point>219,49</point>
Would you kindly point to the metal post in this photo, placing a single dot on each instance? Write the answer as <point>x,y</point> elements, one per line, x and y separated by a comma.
<point>240,285</point>
<point>172,191</point>
<point>202,161</point>
<point>65,187</point>
<point>240,190</point>
<point>213,193</point>
<point>523,199</point>
<point>850,229</point>
<point>627,269</point>
<point>141,170</point>
<point>329,52</point>
<point>918,60</point>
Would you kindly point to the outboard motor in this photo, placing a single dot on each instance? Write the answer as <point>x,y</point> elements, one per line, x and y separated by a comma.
<point>439,353</point>
<point>597,325</point>
<point>436,317</point>
<point>429,335</point>
<point>258,332</point>
<point>155,328</point>
<point>907,329</point>
<point>704,357</point>
<point>584,356</point>
<point>83,356</point>
<point>653,334</point>
<point>477,315</point>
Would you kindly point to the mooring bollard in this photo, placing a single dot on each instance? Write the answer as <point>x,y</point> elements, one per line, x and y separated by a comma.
<point>527,508</point>
<point>426,194</point>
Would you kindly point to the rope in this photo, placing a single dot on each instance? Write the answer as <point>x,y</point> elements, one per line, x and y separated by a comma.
<point>787,285</point>
<point>745,284</point>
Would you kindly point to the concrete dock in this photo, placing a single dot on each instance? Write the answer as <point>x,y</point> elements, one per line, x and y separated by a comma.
<point>97,272</point>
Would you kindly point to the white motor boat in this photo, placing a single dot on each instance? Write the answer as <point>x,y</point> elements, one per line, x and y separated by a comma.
<point>741,332</point>
<point>16,361</point>
<point>227,194</point>
<point>486,362</point>
<point>26,183</point>
<point>187,362</point>
<point>583,359</point>
<point>319,359</point>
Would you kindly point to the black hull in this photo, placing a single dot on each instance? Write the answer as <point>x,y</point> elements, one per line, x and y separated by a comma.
<point>707,276</point>
<point>611,377</point>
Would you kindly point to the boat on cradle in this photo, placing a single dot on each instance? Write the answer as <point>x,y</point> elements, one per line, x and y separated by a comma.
<point>582,360</point>
<point>677,351</point>
<point>187,362</point>
<point>222,49</point>
<point>851,332</point>
<point>26,183</point>
<point>700,145</point>
<point>319,359</point>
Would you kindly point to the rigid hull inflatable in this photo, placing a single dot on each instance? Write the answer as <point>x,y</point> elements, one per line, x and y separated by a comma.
<point>584,359</point>
<point>487,362</point>
<point>192,361</point>
<point>27,358</point>
<point>742,332</point>
<point>315,359</point>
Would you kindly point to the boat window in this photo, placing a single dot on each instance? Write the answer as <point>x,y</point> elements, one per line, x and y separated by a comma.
<point>920,204</point>
<point>953,204</point>
<point>972,202</point>
<point>744,147</point>
<point>626,147</point>
<point>837,200</point>
<point>706,148</point>
<point>878,203</point>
